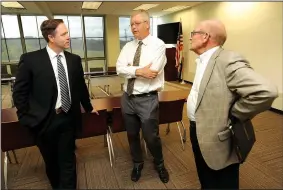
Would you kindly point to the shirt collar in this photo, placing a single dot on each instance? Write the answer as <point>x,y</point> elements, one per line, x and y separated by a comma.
<point>145,41</point>
<point>52,54</point>
<point>207,55</point>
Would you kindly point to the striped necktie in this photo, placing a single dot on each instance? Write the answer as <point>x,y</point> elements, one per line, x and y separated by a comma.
<point>64,88</point>
<point>131,81</point>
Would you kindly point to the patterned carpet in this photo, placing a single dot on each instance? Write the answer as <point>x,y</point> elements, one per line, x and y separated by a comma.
<point>262,170</point>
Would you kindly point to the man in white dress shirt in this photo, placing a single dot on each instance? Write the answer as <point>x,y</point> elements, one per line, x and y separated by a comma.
<point>142,62</point>
<point>225,89</point>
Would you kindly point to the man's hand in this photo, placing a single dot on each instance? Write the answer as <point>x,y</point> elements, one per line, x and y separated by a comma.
<point>146,72</point>
<point>95,111</point>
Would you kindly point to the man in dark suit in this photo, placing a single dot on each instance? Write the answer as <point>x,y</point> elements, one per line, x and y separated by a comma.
<point>48,91</point>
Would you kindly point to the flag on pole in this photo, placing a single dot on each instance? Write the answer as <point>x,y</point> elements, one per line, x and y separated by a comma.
<point>179,51</point>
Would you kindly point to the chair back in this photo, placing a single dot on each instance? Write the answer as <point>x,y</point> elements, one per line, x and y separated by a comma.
<point>4,72</point>
<point>99,71</point>
<point>171,111</point>
<point>93,124</point>
<point>111,70</point>
<point>13,135</point>
<point>14,69</point>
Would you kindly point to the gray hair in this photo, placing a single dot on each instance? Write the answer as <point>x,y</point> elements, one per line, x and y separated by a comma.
<point>143,13</point>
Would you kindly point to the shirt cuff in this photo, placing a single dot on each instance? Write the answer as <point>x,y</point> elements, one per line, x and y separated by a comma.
<point>133,71</point>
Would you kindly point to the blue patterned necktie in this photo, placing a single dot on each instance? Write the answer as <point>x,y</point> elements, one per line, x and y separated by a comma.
<point>131,81</point>
<point>64,88</point>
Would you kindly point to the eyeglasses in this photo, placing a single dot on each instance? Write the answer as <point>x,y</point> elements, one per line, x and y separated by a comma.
<point>136,24</point>
<point>198,32</point>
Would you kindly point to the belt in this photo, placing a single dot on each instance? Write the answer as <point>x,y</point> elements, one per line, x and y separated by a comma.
<point>144,94</point>
<point>59,110</point>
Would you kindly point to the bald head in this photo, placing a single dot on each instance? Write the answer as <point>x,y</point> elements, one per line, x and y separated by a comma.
<point>215,29</point>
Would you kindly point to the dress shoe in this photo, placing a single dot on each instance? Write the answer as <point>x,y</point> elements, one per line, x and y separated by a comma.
<point>136,173</point>
<point>163,173</point>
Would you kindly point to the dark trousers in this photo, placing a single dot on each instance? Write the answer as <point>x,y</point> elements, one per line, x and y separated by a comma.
<point>227,178</point>
<point>142,112</point>
<point>56,143</point>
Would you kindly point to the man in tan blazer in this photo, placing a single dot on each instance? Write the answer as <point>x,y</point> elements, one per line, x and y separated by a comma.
<point>225,87</point>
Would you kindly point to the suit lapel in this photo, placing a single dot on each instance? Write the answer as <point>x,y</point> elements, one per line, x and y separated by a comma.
<point>69,66</point>
<point>206,75</point>
<point>46,63</point>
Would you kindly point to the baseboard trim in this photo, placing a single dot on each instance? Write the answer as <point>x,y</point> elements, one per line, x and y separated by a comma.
<point>276,111</point>
<point>188,82</point>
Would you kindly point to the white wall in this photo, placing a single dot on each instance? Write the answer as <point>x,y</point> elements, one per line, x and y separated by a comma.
<point>254,29</point>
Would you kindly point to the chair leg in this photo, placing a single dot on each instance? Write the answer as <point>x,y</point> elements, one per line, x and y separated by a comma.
<point>181,136</point>
<point>90,89</point>
<point>88,83</point>
<point>168,128</point>
<point>9,158</point>
<point>145,148</point>
<point>108,89</point>
<point>111,144</point>
<point>109,149</point>
<point>15,157</point>
<point>105,141</point>
<point>185,132</point>
<point>6,170</point>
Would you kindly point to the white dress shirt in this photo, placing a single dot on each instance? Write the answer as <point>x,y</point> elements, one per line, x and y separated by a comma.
<point>152,51</point>
<point>201,62</point>
<point>53,59</point>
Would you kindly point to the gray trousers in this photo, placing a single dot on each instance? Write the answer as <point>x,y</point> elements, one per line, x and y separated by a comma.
<point>142,112</point>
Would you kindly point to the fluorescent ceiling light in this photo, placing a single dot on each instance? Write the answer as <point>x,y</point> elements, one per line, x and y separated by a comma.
<point>176,8</point>
<point>91,5</point>
<point>14,5</point>
<point>146,6</point>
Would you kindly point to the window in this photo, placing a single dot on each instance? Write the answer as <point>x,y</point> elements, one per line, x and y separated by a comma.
<point>96,65</point>
<point>40,20</point>
<point>4,53</point>
<point>125,32</point>
<point>76,35</point>
<point>13,38</point>
<point>94,32</point>
<point>33,39</point>
<point>30,33</point>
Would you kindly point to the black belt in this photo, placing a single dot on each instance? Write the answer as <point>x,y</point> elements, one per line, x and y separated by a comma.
<point>144,94</point>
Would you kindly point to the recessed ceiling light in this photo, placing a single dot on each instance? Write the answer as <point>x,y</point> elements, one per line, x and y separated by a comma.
<point>176,8</point>
<point>146,6</point>
<point>14,5</point>
<point>91,5</point>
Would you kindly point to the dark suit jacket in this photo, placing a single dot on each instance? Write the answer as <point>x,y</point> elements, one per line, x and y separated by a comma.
<point>35,89</point>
